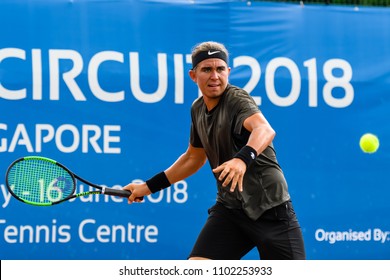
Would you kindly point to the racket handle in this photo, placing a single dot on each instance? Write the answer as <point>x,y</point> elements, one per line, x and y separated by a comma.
<point>115,192</point>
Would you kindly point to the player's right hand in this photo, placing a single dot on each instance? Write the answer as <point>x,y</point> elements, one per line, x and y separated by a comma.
<point>138,191</point>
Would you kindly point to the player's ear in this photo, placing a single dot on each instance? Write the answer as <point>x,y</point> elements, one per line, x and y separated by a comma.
<point>192,75</point>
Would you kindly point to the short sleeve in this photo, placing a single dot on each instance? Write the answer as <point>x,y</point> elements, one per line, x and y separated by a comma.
<point>244,107</point>
<point>194,137</point>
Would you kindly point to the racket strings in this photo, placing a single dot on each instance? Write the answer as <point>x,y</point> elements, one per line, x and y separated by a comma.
<point>40,181</point>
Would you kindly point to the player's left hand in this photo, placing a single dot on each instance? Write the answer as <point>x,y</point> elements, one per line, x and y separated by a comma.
<point>231,172</point>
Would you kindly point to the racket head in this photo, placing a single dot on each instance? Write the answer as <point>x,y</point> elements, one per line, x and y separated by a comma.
<point>40,181</point>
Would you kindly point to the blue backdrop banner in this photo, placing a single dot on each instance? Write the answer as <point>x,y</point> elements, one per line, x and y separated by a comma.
<point>103,88</point>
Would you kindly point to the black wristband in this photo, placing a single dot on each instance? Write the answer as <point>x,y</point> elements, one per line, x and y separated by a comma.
<point>247,154</point>
<point>158,182</point>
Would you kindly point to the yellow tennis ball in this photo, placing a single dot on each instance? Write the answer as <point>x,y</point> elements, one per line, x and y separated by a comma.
<point>369,143</point>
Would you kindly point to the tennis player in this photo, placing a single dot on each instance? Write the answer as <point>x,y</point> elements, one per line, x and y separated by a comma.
<point>253,206</point>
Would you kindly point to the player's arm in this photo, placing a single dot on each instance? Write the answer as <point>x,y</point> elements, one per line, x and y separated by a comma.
<point>261,132</point>
<point>186,165</point>
<point>261,135</point>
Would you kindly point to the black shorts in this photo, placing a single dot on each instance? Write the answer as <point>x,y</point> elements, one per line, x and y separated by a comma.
<point>229,234</point>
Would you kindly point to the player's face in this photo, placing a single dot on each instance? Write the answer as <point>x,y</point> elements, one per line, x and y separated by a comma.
<point>211,75</point>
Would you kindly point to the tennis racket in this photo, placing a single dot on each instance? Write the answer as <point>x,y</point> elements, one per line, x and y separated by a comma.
<point>42,181</point>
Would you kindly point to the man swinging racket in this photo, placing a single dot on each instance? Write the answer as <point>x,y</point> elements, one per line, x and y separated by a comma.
<point>253,207</point>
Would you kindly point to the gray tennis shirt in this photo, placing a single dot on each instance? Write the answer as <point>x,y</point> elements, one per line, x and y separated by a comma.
<point>221,133</point>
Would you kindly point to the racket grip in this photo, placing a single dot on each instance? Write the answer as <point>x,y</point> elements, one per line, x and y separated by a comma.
<point>115,192</point>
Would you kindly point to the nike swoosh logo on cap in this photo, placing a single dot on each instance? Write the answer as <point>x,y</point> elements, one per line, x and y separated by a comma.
<point>211,53</point>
